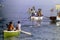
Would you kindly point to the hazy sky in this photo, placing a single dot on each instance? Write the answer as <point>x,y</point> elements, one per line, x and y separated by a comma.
<point>19,7</point>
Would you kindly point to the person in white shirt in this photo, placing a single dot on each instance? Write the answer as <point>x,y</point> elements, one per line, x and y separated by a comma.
<point>18,26</point>
<point>31,10</point>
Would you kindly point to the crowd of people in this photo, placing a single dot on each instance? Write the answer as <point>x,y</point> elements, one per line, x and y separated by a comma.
<point>33,12</point>
<point>11,27</point>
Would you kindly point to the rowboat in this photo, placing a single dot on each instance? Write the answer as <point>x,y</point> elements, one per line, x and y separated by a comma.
<point>36,18</point>
<point>8,34</point>
<point>52,18</point>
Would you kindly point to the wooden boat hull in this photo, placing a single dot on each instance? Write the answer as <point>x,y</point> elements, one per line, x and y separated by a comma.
<point>8,34</point>
<point>52,18</point>
<point>36,18</point>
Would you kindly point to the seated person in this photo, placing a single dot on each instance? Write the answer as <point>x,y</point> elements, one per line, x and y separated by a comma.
<point>10,26</point>
<point>18,26</point>
<point>39,12</point>
<point>33,14</point>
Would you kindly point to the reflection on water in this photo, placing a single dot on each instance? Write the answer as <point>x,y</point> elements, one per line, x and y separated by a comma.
<point>12,38</point>
<point>52,22</point>
<point>57,23</point>
<point>36,23</point>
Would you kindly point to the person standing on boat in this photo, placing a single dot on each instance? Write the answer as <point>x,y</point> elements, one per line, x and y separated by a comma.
<point>10,26</point>
<point>18,26</point>
<point>29,11</point>
<point>33,7</point>
<point>33,11</point>
<point>53,14</point>
<point>39,13</point>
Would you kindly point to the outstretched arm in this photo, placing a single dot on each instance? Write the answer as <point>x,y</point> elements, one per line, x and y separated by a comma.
<point>7,25</point>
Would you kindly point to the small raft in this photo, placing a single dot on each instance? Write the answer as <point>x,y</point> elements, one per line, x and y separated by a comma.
<point>8,34</point>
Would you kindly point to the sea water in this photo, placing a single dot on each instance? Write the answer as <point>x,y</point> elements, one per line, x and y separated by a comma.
<point>46,31</point>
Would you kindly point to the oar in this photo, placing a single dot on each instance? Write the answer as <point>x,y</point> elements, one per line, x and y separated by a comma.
<point>26,32</point>
<point>29,17</point>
